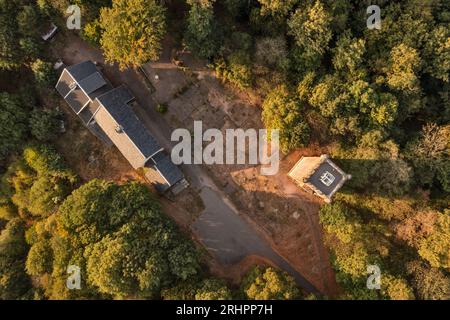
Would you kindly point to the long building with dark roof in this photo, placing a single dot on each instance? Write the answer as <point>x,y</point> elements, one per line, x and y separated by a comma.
<point>106,112</point>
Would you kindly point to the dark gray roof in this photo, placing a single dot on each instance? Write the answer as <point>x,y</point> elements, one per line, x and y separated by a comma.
<point>166,167</point>
<point>82,70</point>
<point>314,179</point>
<point>89,84</point>
<point>116,97</point>
<point>92,92</point>
<point>115,102</point>
<point>92,82</point>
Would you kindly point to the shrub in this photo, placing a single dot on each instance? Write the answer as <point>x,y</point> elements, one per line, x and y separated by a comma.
<point>271,52</point>
<point>44,124</point>
<point>213,289</point>
<point>92,32</point>
<point>237,69</point>
<point>39,260</point>
<point>269,284</point>
<point>44,73</point>
<point>281,111</point>
<point>161,108</point>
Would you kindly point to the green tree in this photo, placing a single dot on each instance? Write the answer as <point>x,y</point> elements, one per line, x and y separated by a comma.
<point>9,50</point>
<point>435,248</point>
<point>7,210</point>
<point>429,283</point>
<point>405,63</point>
<point>281,111</point>
<point>429,155</point>
<point>44,73</point>
<point>133,31</point>
<point>30,47</point>
<point>51,6</point>
<point>269,284</point>
<point>41,181</point>
<point>14,282</point>
<point>277,7</point>
<point>202,36</point>
<point>92,32</point>
<point>237,8</point>
<point>266,24</point>
<point>128,247</point>
<point>39,259</point>
<point>20,23</point>
<point>438,53</point>
<point>355,288</point>
<point>310,28</point>
<point>348,53</point>
<point>396,288</point>
<point>213,289</point>
<point>14,124</point>
<point>237,69</point>
<point>352,259</point>
<point>340,221</point>
<point>184,290</point>
<point>197,289</point>
<point>28,20</point>
<point>44,124</point>
<point>106,267</point>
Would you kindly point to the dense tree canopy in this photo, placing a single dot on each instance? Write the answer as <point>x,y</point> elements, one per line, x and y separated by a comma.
<point>20,23</point>
<point>429,154</point>
<point>45,124</point>
<point>202,36</point>
<point>269,284</point>
<point>41,181</point>
<point>14,282</point>
<point>213,289</point>
<point>14,123</point>
<point>435,248</point>
<point>358,238</point>
<point>44,73</point>
<point>283,112</point>
<point>119,238</point>
<point>376,100</point>
<point>310,28</point>
<point>133,32</point>
<point>198,289</point>
<point>430,283</point>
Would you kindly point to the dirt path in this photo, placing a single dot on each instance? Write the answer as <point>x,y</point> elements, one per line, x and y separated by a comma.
<point>231,239</point>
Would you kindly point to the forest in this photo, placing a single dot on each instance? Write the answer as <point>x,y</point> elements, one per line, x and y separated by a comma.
<point>376,100</point>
